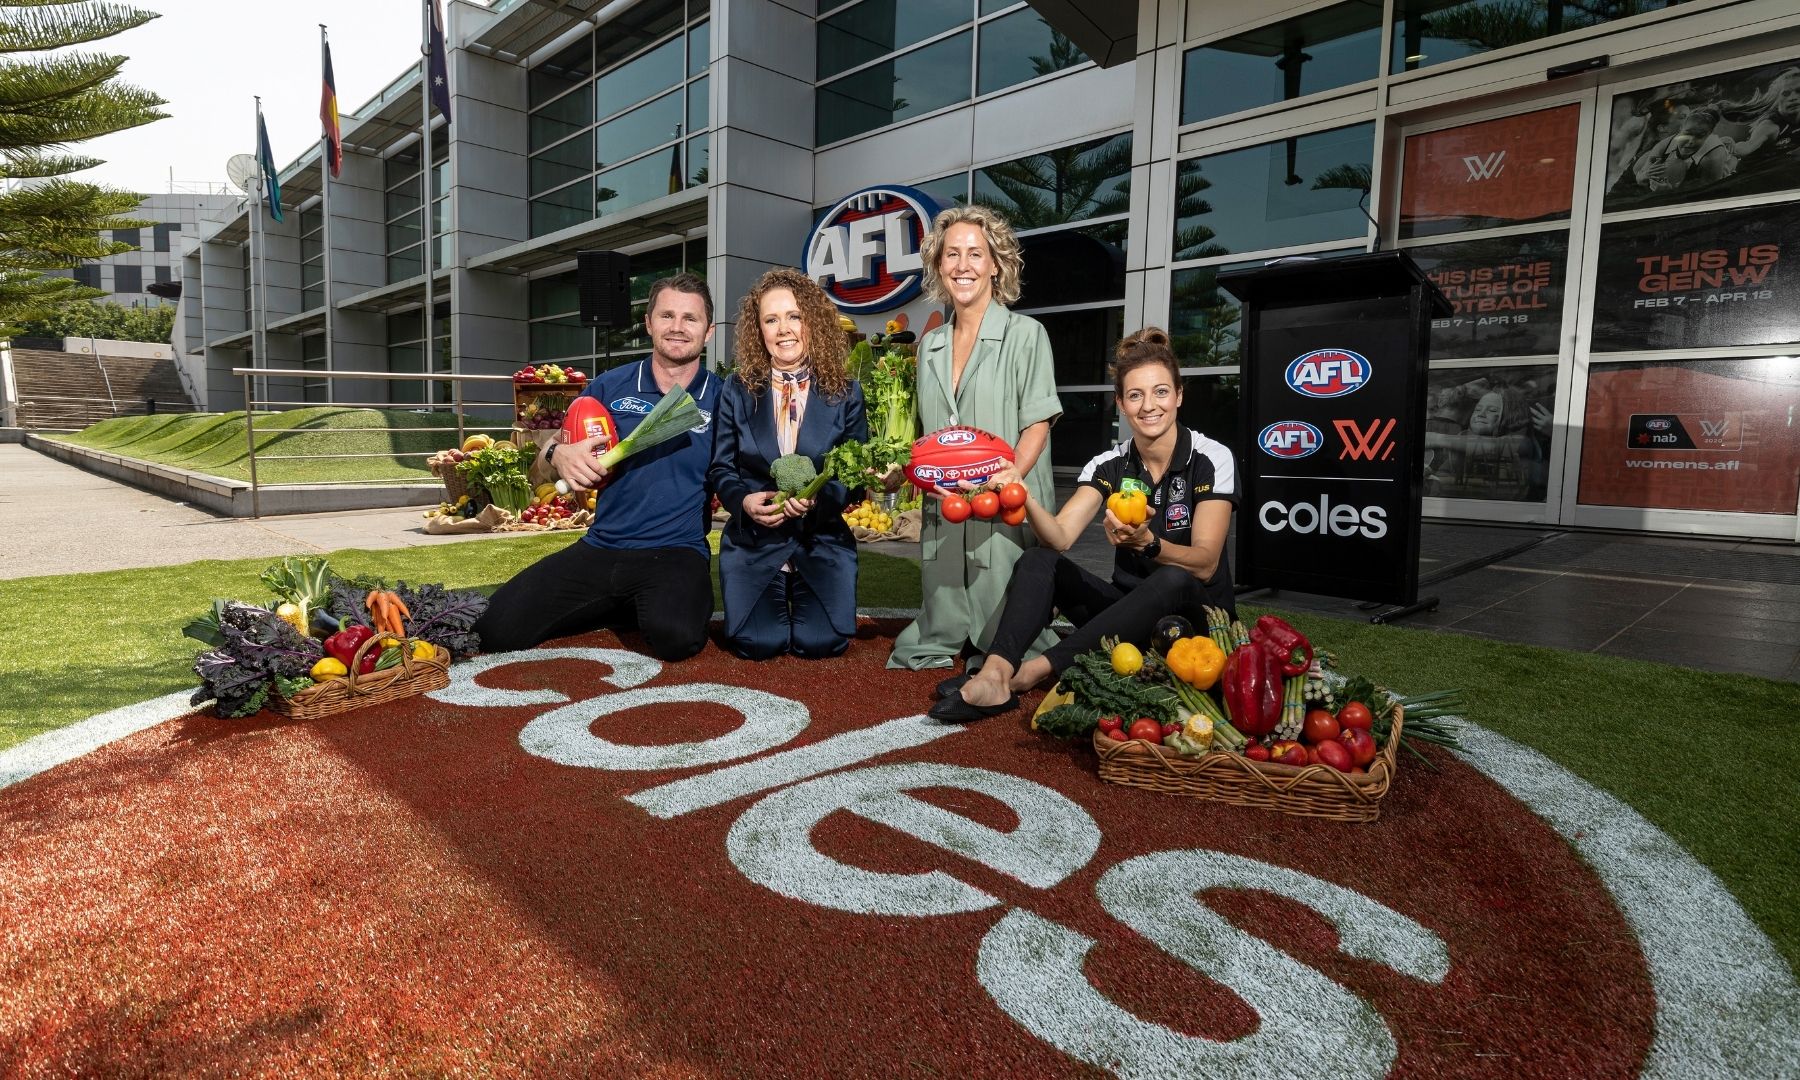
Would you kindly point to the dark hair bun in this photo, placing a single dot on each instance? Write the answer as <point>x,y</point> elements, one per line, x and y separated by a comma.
<point>1149,338</point>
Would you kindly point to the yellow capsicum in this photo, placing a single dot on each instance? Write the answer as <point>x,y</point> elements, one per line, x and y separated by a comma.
<point>1196,661</point>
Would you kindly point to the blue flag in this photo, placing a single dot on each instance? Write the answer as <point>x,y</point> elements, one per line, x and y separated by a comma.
<point>266,158</point>
<point>437,69</point>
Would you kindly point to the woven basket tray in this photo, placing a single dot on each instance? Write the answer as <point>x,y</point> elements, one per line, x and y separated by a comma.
<point>1310,791</point>
<point>406,679</point>
<point>455,487</point>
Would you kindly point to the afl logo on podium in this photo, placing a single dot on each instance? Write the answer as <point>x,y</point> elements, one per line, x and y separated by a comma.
<point>864,251</point>
<point>1328,373</point>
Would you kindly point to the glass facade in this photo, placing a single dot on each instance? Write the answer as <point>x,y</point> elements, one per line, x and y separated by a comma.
<point>1300,190</point>
<point>556,332</point>
<point>407,353</point>
<point>1430,32</point>
<point>405,218</point>
<point>884,61</point>
<point>312,259</point>
<point>1320,50</point>
<point>617,118</point>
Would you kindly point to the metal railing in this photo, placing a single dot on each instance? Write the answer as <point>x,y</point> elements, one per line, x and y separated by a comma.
<point>457,406</point>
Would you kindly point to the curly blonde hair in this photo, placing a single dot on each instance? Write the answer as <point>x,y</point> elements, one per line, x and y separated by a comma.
<point>826,344</point>
<point>1009,261</point>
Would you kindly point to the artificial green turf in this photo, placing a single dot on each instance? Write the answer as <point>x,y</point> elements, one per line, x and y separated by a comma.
<point>1702,755</point>
<point>218,444</point>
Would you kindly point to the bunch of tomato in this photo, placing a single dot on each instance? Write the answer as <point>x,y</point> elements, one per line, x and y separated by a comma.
<point>1343,740</point>
<point>1007,504</point>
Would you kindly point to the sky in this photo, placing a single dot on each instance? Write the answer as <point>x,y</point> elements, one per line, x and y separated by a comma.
<point>210,58</point>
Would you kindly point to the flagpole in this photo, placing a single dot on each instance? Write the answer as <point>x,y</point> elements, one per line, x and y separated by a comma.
<point>325,232</point>
<point>259,344</point>
<point>425,192</point>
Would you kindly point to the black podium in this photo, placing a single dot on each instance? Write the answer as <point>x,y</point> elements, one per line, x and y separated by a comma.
<point>1333,397</point>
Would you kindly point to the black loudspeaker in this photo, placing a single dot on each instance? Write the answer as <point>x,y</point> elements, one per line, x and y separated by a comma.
<point>605,281</point>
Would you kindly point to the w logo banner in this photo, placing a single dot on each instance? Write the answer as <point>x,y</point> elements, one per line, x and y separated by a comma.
<point>1484,167</point>
<point>1365,444</point>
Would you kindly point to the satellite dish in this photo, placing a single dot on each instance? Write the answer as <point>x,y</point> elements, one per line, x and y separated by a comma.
<point>242,171</point>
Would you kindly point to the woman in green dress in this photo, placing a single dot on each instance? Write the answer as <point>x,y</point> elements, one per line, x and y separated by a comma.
<point>991,369</point>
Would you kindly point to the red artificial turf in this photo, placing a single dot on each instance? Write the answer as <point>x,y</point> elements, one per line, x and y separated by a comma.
<point>405,890</point>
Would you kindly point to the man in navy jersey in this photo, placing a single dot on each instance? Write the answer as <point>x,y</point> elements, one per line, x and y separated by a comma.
<point>644,560</point>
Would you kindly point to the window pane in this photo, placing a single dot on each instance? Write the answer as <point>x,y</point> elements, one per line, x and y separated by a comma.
<point>165,234</point>
<point>163,274</point>
<point>406,264</point>
<point>988,7</point>
<point>89,276</point>
<point>1297,191</point>
<point>562,118</point>
<point>561,208</point>
<point>1508,171</point>
<point>556,295</point>
<point>403,199</point>
<point>312,273</point>
<point>406,326</point>
<point>404,232</point>
<point>128,279</point>
<point>1698,281</point>
<point>647,266</point>
<point>875,28</point>
<point>562,72</point>
<point>402,168</point>
<point>698,150</point>
<point>649,177</point>
<point>1070,183</point>
<point>1507,293</point>
<point>1074,266</point>
<point>1488,432</point>
<point>1428,32</point>
<point>127,236</point>
<point>948,190</point>
<point>887,93</point>
<point>1209,405</point>
<point>637,27</point>
<point>657,70</point>
<point>1082,342</point>
<point>562,163</point>
<point>1022,47</point>
<point>311,221</point>
<point>560,338</point>
<point>1693,435</point>
<point>1335,46</point>
<point>1204,320</point>
<point>699,106</point>
<point>1681,143</point>
<point>699,48</point>
<point>311,298</point>
<point>638,130</point>
<point>1089,424</point>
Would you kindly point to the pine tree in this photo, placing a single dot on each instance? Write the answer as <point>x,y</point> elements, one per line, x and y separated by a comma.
<point>48,102</point>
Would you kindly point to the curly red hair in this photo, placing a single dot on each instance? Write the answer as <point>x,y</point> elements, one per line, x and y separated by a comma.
<point>827,346</point>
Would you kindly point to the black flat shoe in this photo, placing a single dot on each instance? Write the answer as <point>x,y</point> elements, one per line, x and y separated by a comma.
<point>951,685</point>
<point>954,710</point>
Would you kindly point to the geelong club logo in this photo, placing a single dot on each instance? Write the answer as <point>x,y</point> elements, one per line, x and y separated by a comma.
<point>1328,373</point>
<point>865,250</point>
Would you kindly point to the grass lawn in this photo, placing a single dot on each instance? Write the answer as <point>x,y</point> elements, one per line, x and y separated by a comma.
<point>1676,744</point>
<point>216,443</point>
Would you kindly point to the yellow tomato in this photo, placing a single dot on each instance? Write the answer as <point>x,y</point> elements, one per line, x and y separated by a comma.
<point>329,668</point>
<point>423,650</point>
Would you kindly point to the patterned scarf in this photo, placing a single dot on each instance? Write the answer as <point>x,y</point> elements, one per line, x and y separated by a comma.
<point>793,387</point>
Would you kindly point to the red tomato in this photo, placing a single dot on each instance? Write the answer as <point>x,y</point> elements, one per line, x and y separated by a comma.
<point>986,505</point>
<point>1012,496</point>
<point>1360,744</point>
<point>1014,515</point>
<point>1146,729</point>
<point>956,509</point>
<point>1170,729</point>
<point>1334,754</point>
<point>1320,727</point>
<point>1355,715</point>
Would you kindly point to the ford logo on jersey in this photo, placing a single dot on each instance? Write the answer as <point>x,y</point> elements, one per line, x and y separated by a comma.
<point>1328,373</point>
<point>636,405</point>
<point>1290,440</point>
<point>864,251</point>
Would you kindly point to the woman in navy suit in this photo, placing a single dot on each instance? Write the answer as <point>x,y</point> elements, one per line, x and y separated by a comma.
<point>787,566</point>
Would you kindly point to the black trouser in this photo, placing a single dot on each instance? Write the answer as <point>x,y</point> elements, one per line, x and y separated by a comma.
<point>666,592</point>
<point>1044,582</point>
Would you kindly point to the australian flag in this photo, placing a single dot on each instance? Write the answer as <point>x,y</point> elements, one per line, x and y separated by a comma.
<point>437,68</point>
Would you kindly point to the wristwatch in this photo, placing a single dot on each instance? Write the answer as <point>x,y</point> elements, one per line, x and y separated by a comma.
<point>1153,548</point>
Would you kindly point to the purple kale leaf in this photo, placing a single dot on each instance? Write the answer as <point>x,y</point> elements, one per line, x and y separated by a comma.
<point>444,617</point>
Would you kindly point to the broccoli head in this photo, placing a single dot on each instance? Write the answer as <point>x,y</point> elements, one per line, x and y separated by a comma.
<point>792,473</point>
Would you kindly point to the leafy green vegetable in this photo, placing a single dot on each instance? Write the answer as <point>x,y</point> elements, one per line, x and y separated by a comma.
<point>791,473</point>
<point>303,581</point>
<point>257,646</point>
<point>1094,683</point>
<point>1069,721</point>
<point>500,471</point>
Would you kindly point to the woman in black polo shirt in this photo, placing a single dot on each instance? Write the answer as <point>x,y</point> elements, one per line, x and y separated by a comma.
<point>1173,563</point>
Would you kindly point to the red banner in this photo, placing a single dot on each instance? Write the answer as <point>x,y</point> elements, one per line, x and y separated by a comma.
<point>1497,172</point>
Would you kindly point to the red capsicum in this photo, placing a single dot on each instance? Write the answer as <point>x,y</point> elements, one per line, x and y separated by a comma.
<point>1252,689</point>
<point>343,646</point>
<point>1289,646</point>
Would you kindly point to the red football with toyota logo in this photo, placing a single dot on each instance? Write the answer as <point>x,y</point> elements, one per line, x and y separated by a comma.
<point>955,454</point>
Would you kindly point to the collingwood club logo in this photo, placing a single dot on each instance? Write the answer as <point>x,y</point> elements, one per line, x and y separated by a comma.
<point>1484,167</point>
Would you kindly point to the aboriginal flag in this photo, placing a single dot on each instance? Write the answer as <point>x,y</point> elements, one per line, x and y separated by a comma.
<point>328,110</point>
<point>265,158</point>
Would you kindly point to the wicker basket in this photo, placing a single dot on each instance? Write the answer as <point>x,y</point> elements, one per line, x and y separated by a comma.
<point>1310,791</point>
<point>406,679</point>
<point>455,487</point>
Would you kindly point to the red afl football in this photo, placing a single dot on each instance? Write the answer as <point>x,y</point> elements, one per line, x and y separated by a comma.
<point>588,416</point>
<point>955,454</point>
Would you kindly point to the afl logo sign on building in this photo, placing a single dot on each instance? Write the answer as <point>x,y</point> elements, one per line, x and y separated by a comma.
<point>865,250</point>
<point>1328,373</point>
<point>1290,439</point>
